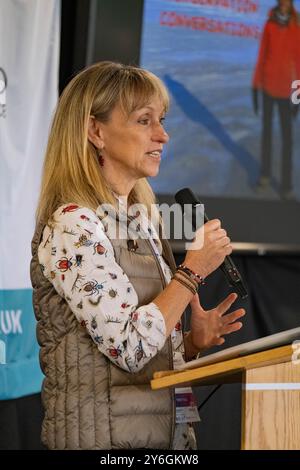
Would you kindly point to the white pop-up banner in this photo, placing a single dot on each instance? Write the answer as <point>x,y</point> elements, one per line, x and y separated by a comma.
<point>29,61</point>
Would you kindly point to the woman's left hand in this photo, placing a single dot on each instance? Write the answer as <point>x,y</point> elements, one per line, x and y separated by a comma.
<point>209,326</point>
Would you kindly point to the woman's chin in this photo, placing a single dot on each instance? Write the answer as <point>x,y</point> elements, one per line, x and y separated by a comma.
<point>153,169</point>
<point>152,174</point>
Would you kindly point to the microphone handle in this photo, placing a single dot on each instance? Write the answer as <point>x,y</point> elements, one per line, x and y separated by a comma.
<point>233,277</point>
<point>231,273</point>
<point>186,196</point>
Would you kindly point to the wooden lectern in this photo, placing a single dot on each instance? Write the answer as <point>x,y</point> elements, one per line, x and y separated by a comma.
<point>270,394</point>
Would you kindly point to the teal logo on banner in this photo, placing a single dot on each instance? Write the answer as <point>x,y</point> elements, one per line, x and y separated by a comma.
<point>20,372</point>
<point>2,352</point>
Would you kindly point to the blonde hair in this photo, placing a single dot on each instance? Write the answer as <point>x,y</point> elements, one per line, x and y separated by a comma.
<point>71,171</point>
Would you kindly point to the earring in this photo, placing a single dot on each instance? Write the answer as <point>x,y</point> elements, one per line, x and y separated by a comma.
<point>100,157</point>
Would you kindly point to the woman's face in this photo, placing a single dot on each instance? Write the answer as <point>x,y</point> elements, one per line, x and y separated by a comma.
<point>285,6</point>
<point>133,144</point>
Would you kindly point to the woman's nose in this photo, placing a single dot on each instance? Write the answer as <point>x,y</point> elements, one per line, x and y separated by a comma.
<point>160,135</point>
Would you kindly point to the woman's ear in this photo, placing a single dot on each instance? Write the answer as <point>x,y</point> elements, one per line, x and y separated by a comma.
<point>95,133</point>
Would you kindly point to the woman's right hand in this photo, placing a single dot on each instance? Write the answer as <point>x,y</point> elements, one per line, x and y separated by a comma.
<point>209,248</point>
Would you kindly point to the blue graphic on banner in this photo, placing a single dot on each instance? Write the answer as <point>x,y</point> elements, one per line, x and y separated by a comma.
<point>20,375</point>
<point>2,352</point>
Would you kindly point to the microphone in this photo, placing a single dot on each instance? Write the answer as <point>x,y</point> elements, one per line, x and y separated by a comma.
<point>186,196</point>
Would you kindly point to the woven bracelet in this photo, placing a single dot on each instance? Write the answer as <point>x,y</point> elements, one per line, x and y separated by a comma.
<point>185,284</point>
<point>188,277</point>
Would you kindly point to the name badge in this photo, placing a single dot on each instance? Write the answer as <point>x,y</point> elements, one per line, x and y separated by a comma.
<point>186,406</point>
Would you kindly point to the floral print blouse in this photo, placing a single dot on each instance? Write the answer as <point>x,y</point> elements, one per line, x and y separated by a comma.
<point>77,257</point>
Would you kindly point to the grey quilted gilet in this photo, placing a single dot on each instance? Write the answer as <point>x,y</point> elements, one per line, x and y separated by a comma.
<point>89,402</point>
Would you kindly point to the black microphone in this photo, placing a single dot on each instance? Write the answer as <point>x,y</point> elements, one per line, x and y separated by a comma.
<point>186,196</point>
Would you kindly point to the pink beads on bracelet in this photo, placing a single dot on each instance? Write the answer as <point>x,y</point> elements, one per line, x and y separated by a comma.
<point>194,276</point>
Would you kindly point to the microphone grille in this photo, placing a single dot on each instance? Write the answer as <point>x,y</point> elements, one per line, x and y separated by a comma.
<point>186,196</point>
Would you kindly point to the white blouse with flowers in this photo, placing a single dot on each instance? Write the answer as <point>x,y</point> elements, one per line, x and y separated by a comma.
<point>77,257</point>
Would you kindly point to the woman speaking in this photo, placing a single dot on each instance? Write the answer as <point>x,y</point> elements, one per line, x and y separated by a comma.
<point>109,306</point>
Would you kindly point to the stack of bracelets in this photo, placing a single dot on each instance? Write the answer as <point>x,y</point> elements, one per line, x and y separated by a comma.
<point>188,278</point>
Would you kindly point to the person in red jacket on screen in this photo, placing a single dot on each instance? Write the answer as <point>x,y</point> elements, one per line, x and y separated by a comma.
<point>278,65</point>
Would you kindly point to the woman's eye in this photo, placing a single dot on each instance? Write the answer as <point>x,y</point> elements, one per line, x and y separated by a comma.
<point>144,122</point>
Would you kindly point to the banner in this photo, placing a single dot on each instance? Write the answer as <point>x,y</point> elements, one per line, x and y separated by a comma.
<point>29,61</point>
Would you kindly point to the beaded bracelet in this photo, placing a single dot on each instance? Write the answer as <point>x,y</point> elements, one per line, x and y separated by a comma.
<point>185,284</point>
<point>199,279</point>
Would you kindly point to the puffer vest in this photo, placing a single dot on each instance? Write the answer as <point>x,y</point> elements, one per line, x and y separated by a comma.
<point>89,402</point>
